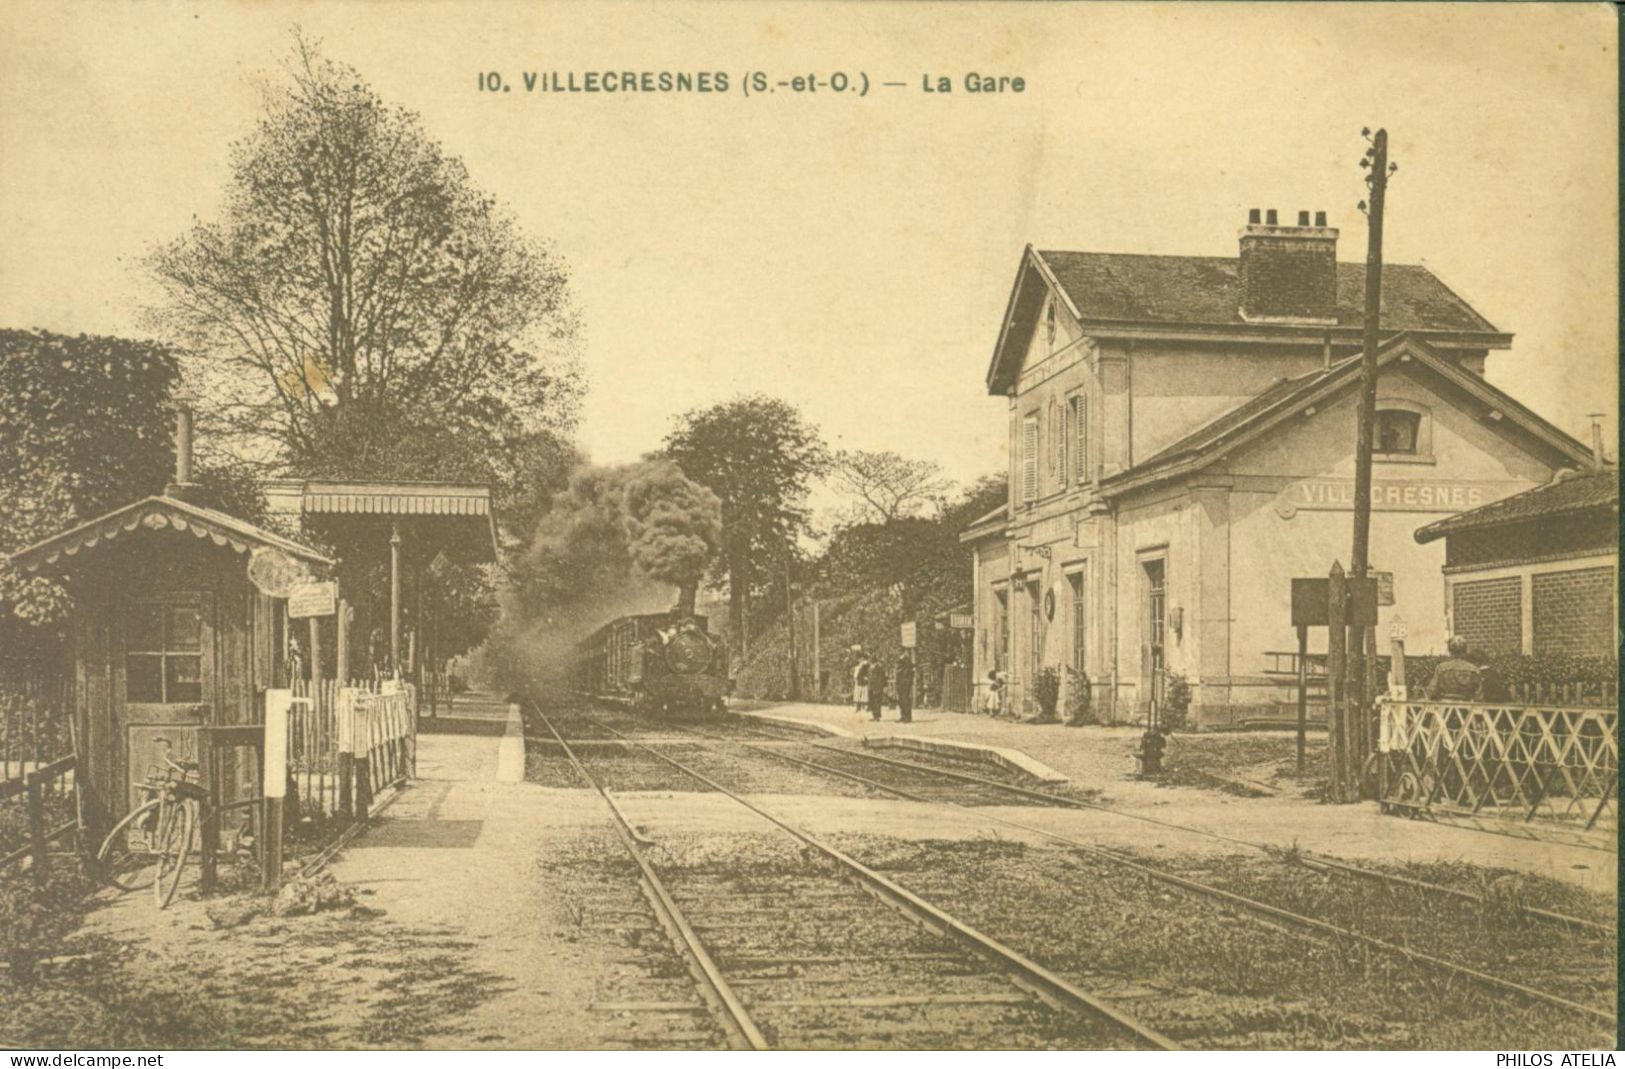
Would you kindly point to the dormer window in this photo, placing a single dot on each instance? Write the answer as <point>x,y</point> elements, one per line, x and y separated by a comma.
<point>1398,432</point>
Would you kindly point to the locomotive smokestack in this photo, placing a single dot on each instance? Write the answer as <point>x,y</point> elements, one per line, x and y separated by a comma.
<point>687,594</point>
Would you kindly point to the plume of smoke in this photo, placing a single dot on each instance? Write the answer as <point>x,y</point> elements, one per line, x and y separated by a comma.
<point>673,526</point>
<point>608,546</point>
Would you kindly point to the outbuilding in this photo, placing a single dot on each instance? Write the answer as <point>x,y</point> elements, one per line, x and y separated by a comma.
<point>168,633</point>
<point>1537,572</point>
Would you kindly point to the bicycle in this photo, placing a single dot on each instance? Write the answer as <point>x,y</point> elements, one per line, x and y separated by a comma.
<point>151,843</point>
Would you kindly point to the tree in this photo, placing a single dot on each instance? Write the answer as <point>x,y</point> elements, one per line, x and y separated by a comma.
<point>886,486</point>
<point>85,427</point>
<point>360,309</point>
<point>759,456</point>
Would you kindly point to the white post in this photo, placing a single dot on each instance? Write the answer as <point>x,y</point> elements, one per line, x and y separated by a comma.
<point>277,704</point>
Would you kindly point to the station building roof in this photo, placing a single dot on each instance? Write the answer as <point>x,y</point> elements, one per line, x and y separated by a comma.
<point>1290,396</point>
<point>1188,297</point>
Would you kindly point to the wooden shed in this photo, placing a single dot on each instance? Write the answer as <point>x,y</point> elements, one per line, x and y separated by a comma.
<point>168,633</point>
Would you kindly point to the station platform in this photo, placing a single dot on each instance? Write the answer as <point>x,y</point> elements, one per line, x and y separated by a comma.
<point>1101,757</point>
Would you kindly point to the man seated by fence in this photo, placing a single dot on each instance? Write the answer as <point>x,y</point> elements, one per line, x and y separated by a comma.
<point>1456,678</point>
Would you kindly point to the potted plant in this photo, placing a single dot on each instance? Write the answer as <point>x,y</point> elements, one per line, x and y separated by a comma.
<point>1079,698</point>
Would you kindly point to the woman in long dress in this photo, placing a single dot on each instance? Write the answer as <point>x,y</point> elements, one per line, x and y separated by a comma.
<point>860,680</point>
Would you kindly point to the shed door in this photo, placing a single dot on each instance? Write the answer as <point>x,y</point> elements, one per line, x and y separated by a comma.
<point>169,682</point>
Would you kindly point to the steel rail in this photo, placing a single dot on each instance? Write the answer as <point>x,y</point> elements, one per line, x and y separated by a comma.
<point>1306,858</point>
<point>1197,887</point>
<point>1027,974</point>
<point>730,1010</point>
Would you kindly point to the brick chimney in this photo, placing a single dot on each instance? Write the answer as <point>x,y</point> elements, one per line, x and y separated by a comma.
<point>183,488</point>
<point>1288,273</point>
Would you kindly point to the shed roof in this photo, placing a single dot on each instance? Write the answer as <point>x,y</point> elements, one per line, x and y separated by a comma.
<point>1570,492</point>
<point>160,513</point>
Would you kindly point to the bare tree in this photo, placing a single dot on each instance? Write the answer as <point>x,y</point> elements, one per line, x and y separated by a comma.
<point>358,290</point>
<point>886,486</point>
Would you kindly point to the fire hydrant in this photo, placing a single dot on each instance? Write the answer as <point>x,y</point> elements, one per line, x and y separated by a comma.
<point>1152,744</point>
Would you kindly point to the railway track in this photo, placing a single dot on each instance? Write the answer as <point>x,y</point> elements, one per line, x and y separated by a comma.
<point>843,763</point>
<point>1031,796</point>
<point>776,954</point>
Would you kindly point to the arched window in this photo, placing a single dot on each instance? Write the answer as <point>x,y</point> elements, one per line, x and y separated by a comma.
<point>1049,322</point>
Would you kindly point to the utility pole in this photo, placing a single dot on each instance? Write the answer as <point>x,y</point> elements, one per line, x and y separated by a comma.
<point>1361,647</point>
<point>1376,160</point>
<point>790,623</point>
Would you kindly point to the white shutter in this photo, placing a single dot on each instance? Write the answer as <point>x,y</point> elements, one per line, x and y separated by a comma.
<point>1080,431</point>
<point>1029,458</point>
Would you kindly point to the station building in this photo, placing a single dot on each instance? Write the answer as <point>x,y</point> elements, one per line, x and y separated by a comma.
<point>1182,435</point>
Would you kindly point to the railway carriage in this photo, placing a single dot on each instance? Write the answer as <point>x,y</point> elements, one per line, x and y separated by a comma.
<point>662,663</point>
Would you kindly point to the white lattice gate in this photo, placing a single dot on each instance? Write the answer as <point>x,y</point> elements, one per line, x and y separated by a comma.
<point>1553,763</point>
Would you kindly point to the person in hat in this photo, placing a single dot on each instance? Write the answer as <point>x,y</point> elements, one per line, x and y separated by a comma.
<point>877,687</point>
<point>1456,678</point>
<point>904,678</point>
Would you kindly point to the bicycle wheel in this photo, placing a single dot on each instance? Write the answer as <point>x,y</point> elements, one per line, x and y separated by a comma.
<point>175,842</point>
<point>127,857</point>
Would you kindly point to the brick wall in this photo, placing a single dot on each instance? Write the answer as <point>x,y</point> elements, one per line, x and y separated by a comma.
<point>1573,612</point>
<point>1488,613</point>
<point>1289,275</point>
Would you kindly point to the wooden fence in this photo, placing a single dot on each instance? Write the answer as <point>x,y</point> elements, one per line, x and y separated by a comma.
<point>36,722</point>
<point>1571,694</point>
<point>365,726</point>
<point>39,785</point>
<point>40,808</point>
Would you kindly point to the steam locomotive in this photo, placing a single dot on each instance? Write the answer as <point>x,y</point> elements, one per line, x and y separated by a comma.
<point>665,664</point>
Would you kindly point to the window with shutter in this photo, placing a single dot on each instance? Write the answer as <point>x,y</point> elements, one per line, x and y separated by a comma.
<point>1080,438</point>
<point>1029,458</point>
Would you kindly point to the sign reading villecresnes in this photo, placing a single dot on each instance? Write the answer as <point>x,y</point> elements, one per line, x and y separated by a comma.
<point>1433,495</point>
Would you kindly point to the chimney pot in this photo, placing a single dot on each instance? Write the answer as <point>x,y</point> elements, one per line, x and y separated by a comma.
<point>1288,274</point>
<point>1254,216</point>
<point>1320,218</point>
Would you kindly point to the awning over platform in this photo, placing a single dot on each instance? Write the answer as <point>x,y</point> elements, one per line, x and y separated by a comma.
<point>468,502</point>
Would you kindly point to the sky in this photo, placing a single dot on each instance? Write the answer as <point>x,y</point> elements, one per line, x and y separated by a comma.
<point>854,254</point>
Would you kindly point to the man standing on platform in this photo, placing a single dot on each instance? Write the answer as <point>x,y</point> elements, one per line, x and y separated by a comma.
<point>905,687</point>
<point>877,687</point>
